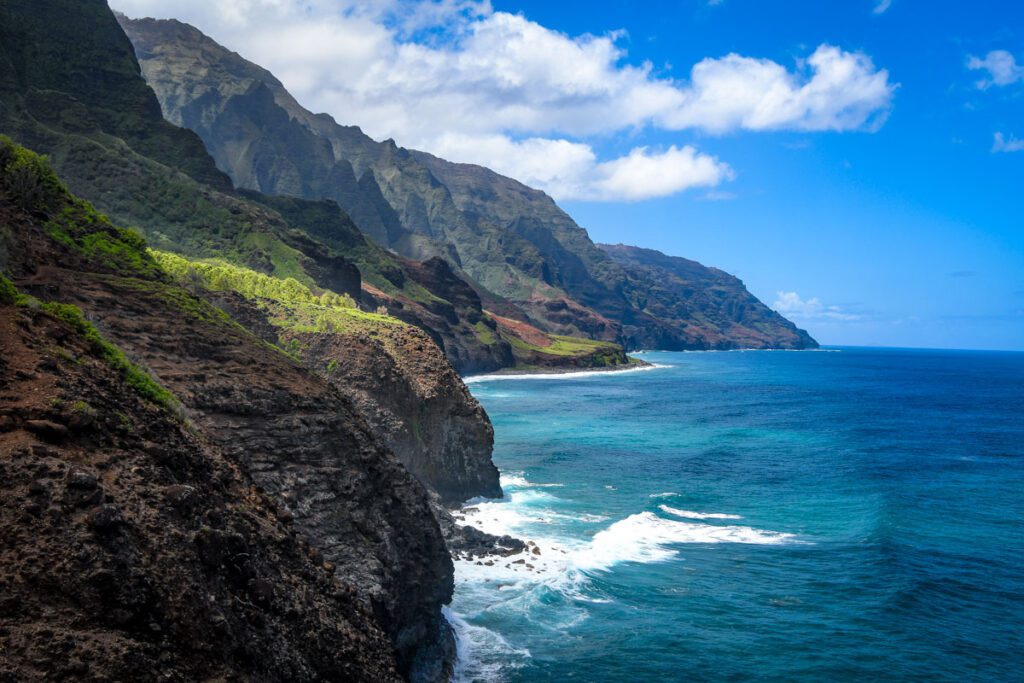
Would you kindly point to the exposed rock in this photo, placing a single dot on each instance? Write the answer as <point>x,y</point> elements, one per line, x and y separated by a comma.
<point>81,480</point>
<point>299,439</point>
<point>413,399</point>
<point>51,431</point>
<point>118,591</point>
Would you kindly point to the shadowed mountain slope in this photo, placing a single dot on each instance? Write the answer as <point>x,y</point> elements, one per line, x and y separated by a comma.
<point>710,308</point>
<point>524,255</point>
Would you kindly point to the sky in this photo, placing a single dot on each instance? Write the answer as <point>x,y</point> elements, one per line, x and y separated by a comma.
<point>858,163</point>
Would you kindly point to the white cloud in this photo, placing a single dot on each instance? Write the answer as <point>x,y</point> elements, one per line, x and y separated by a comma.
<point>792,306</point>
<point>571,170</point>
<point>455,78</point>
<point>881,6</point>
<point>833,90</point>
<point>1001,66</point>
<point>1003,144</point>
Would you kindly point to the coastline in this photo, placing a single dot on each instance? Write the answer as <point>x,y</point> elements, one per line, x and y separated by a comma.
<point>635,365</point>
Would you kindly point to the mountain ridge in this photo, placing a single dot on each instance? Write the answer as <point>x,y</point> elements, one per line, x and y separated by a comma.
<point>524,255</point>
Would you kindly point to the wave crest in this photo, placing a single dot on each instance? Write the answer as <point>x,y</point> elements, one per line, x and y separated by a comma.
<point>696,515</point>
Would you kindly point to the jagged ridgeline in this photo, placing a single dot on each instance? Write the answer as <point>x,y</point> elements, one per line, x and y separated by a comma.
<point>188,455</point>
<point>526,257</point>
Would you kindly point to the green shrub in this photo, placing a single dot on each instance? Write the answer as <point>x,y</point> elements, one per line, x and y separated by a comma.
<point>80,227</point>
<point>132,375</point>
<point>289,304</point>
<point>224,277</point>
<point>27,179</point>
<point>8,292</point>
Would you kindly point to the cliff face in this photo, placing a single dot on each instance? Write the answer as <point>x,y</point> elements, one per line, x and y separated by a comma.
<point>527,259</point>
<point>680,290</point>
<point>410,396</point>
<point>70,86</point>
<point>133,549</point>
<point>299,439</point>
<point>401,384</point>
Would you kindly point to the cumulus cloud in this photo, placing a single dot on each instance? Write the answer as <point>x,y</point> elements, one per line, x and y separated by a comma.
<point>831,90</point>
<point>571,170</point>
<point>791,305</point>
<point>1001,66</point>
<point>1000,143</point>
<point>456,78</point>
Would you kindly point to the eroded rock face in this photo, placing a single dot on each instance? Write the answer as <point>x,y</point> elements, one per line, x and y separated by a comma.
<point>404,387</point>
<point>299,439</point>
<point>416,403</point>
<point>133,549</point>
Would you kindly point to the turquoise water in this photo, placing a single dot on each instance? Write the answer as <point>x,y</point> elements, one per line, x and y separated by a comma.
<point>847,515</point>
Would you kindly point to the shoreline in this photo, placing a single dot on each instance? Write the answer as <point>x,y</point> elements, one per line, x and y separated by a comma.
<point>635,365</point>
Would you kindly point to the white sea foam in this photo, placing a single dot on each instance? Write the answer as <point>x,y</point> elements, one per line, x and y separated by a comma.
<point>550,583</point>
<point>481,654</point>
<point>534,516</point>
<point>696,515</point>
<point>666,494</point>
<point>474,379</point>
<point>517,480</point>
<point>645,537</point>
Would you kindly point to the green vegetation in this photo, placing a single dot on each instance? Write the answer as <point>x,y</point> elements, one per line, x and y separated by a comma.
<point>80,227</point>
<point>484,333</point>
<point>27,179</point>
<point>286,261</point>
<point>133,376</point>
<point>9,294</point>
<point>563,346</point>
<point>288,303</point>
<point>598,354</point>
<point>225,277</point>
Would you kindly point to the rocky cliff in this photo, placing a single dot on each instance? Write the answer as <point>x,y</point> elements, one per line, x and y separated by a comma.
<point>395,375</point>
<point>414,400</point>
<point>300,440</point>
<point>710,308</point>
<point>522,253</point>
<point>134,549</point>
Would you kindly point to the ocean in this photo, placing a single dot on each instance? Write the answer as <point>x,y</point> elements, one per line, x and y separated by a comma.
<point>843,514</point>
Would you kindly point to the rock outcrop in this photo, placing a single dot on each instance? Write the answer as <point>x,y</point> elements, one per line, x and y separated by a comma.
<point>300,440</point>
<point>402,385</point>
<point>134,549</point>
<point>416,403</point>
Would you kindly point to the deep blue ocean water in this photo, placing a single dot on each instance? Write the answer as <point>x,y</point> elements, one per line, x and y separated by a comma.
<point>848,515</point>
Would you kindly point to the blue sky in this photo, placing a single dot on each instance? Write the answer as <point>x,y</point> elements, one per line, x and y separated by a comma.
<point>853,179</point>
<point>917,228</point>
